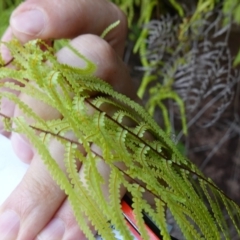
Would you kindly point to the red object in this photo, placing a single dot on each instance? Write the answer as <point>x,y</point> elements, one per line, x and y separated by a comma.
<point>131,222</point>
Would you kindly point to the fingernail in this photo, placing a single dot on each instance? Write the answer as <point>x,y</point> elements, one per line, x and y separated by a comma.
<point>22,148</point>
<point>54,230</point>
<point>9,225</point>
<point>30,22</point>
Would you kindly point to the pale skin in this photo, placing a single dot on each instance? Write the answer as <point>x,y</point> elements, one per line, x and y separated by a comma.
<point>37,208</point>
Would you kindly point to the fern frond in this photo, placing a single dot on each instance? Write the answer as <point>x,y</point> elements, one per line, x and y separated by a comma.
<point>125,136</point>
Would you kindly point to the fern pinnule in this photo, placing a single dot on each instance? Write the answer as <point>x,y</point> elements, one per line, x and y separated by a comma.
<point>87,199</point>
<point>160,218</point>
<point>220,222</point>
<point>217,208</point>
<point>19,76</point>
<point>32,116</point>
<point>63,88</point>
<point>208,224</point>
<point>116,180</point>
<point>45,137</point>
<point>137,209</point>
<point>94,179</point>
<point>123,117</point>
<point>233,212</point>
<point>7,123</point>
<point>141,129</point>
<point>56,126</point>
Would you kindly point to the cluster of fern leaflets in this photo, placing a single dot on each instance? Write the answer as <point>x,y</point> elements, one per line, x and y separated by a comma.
<point>137,162</point>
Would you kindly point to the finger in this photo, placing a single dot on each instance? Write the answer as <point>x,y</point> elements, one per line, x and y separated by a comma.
<point>63,224</point>
<point>110,67</point>
<point>63,19</point>
<point>35,200</point>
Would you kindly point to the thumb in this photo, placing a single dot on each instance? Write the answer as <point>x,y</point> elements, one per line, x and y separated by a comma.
<point>67,19</point>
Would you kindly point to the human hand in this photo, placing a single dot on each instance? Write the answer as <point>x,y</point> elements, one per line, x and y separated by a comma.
<point>38,205</point>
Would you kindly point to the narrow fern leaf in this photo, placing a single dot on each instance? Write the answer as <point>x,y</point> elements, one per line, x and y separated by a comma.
<point>118,221</point>
<point>137,209</point>
<point>109,28</point>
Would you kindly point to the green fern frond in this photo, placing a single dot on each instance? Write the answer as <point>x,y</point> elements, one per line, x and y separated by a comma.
<point>126,136</point>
